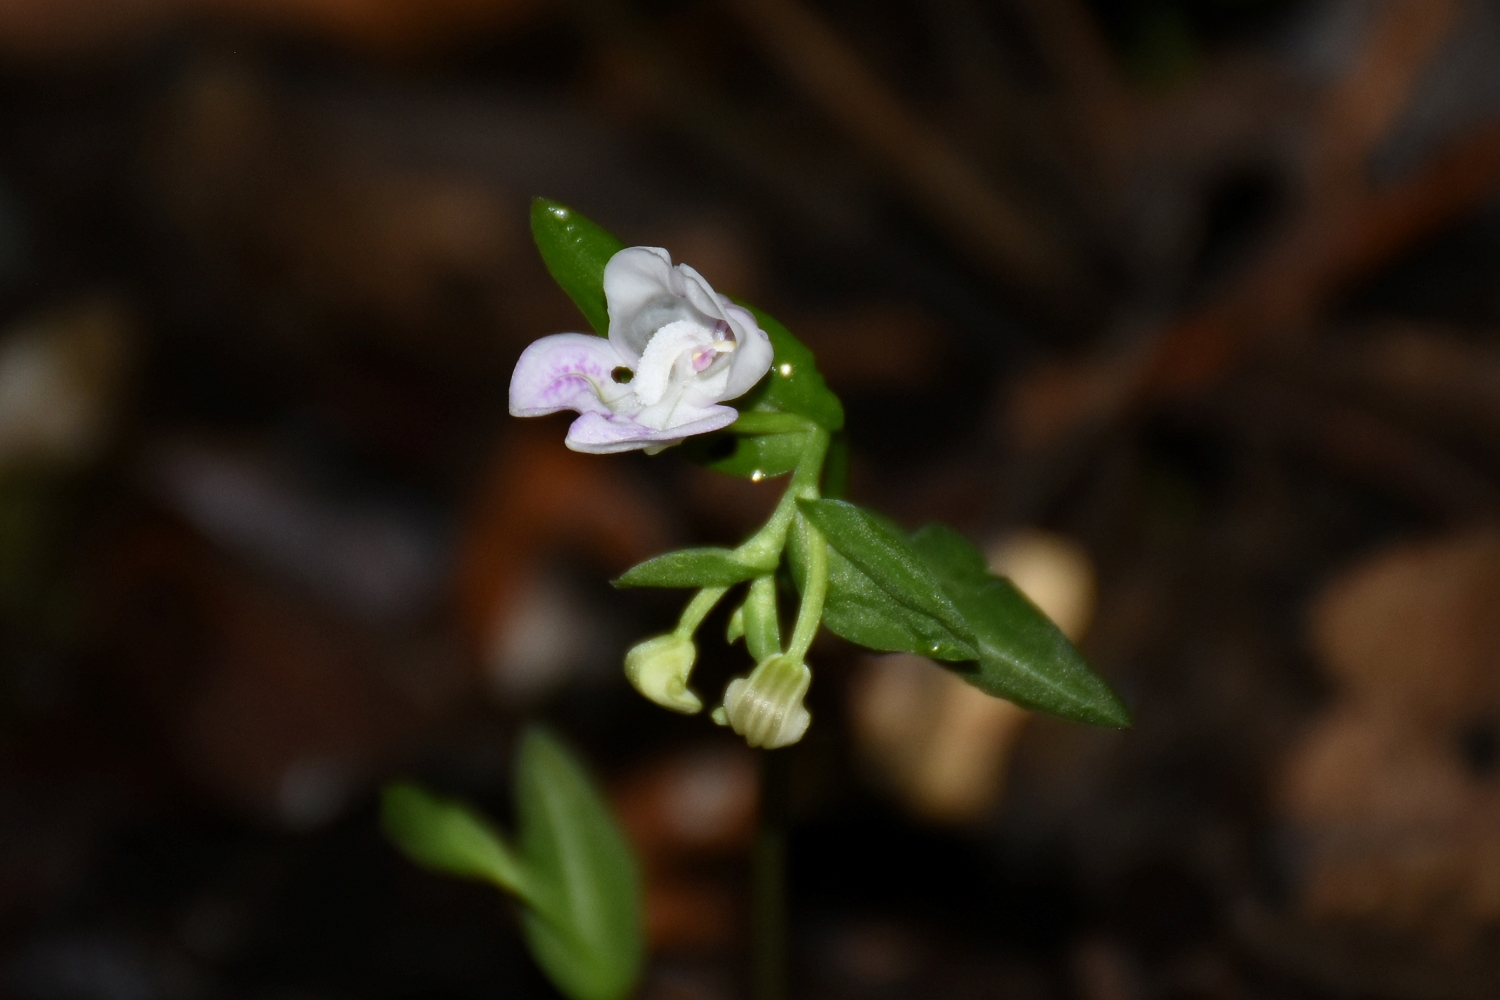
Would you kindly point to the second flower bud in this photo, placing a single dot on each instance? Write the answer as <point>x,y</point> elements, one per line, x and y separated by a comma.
<point>766,707</point>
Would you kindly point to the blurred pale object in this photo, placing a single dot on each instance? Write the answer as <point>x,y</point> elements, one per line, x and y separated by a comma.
<point>541,638</point>
<point>1055,572</point>
<point>941,744</point>
<point>59,376</point>
<point>45,28</point>
<point>375,559</point>
<point>1391,791</point>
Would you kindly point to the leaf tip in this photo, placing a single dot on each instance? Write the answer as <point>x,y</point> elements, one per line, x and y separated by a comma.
<point>1118,716</point>
<point>539,740</point>
<point>408,815</point>
<point>543,207</point>
<point>397,802</point>
<point>1107,712</point>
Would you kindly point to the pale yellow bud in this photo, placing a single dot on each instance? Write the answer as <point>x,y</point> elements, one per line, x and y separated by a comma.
<point>766,707</point>
<point>659,668</point>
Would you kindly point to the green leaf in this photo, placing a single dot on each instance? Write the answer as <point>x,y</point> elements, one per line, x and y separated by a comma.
<point>794,384</point>
<point>755,446</point>
<point>446,836</point>
<point>586,928</point>
<point>858,610</point>
<point>883,555</point>
<point>752,422</point>
<point>1023,656</point>
<point>706,567</point>
<point>575,251</point>
<point>574,872</point>
<point>757,457</point>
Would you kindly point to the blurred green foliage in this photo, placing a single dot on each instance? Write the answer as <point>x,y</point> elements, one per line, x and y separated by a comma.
<point>570,866</point>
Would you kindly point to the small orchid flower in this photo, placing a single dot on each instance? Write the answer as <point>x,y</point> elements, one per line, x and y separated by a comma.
<point>676,350</point>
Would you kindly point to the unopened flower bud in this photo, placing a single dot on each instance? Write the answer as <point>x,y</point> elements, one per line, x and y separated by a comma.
<point>766,707</point>
<point>659,669</point>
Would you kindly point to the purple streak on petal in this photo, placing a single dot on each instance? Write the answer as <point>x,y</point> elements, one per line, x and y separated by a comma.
<point>604,434</point>
<point>563,372</point>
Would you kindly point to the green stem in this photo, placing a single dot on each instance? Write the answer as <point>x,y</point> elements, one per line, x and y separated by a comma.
<point>762,627</point>
<point>814,590</point>
<point>769,881</point>
<point>698,608</point>
<point>764,547</point>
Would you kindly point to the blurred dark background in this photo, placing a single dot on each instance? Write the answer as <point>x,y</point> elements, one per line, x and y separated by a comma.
<point>1187,310</point>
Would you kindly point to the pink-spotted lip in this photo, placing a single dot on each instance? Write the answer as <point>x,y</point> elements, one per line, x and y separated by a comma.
<point>567,371</point>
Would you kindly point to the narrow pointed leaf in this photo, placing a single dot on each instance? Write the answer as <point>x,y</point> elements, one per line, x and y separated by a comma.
<point>446,836</point>
<point>707,567</point>
<point>575,251</point>
<point>1023,656</point>
<point>585,929</point>
<point>858,610</point>
<point>883,555</point>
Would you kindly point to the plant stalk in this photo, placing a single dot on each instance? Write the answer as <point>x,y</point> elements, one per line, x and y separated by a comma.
<point>769,942</point>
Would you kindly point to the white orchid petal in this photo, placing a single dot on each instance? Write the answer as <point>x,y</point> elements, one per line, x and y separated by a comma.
<point>598,434</point>
<point>692,286</point>
<point>752,357</point>
<point>566,371</point>
<point>638,288</point>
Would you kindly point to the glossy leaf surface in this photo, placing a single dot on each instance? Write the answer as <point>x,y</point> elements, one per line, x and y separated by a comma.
<point>585,928</point>
<point>707,567</point>
<point>749,456</point>
<point>794,384</point>
<point>1023,656</point>
<point>575,251</point>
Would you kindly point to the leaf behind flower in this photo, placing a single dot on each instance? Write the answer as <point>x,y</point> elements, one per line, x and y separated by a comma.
<point>575,250</point>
